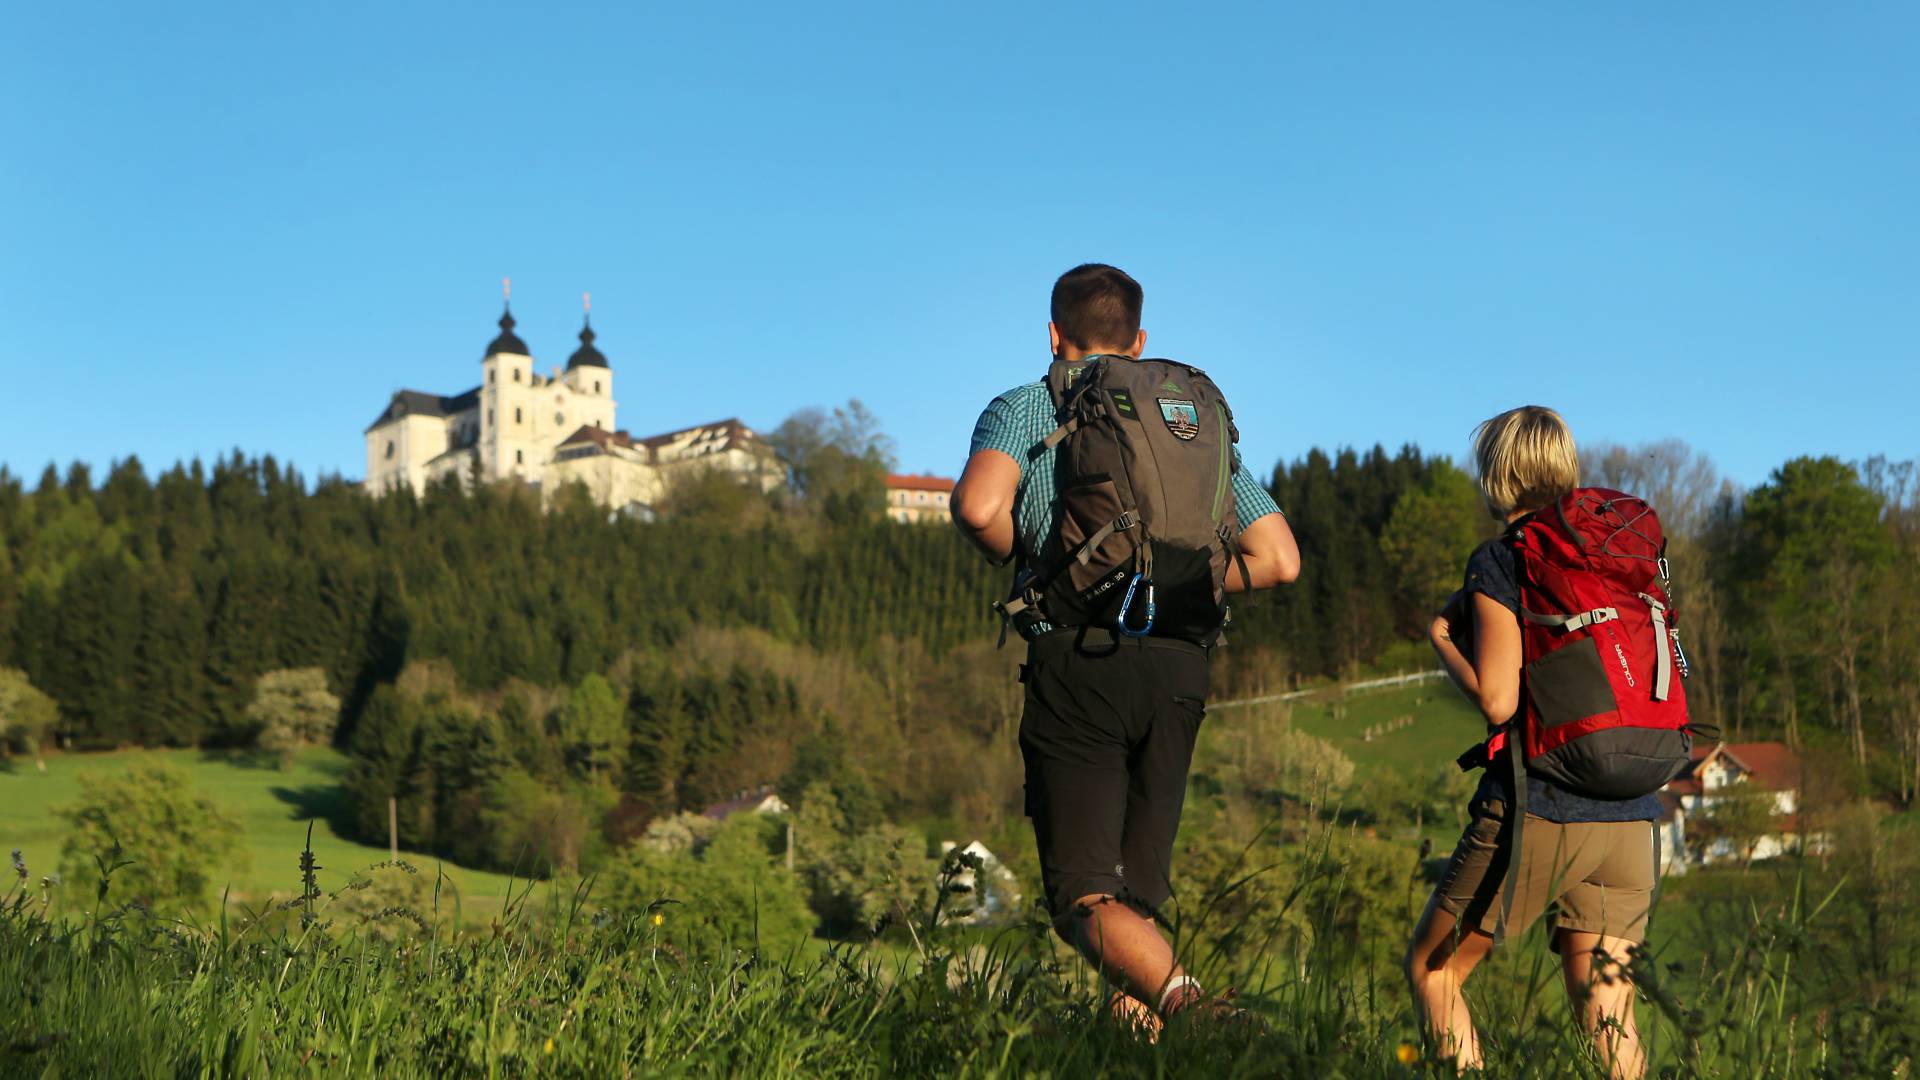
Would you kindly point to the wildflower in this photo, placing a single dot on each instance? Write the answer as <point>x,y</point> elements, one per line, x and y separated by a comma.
<point>20,864</point>
<point>549,1044</point>
<point>1407,1053</point>
<point>658,918</point>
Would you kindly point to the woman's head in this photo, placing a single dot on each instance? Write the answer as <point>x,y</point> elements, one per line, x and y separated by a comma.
<point>1526,460</point>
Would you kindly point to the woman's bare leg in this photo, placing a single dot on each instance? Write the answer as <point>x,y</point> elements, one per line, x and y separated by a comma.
<point>1439,960</point>
<point>1602,995</point>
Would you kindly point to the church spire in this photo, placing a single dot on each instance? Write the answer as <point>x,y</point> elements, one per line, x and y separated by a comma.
<point>508,341</point>
<point>586,355</point>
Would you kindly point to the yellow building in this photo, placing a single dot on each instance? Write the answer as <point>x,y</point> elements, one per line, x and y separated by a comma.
<point>914,500</point>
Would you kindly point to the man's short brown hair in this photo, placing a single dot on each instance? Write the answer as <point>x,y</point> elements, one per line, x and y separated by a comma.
<point>1096,306</point>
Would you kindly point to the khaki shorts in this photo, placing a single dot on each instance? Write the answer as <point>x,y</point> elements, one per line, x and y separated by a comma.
<point>1594,876</point>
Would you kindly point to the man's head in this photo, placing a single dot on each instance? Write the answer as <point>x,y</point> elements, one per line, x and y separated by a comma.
<point>1096,309</point>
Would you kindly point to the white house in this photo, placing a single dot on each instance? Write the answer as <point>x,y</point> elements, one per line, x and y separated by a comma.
<point>987,894</point>
<point>1719,772</point>
<point>548,431</point>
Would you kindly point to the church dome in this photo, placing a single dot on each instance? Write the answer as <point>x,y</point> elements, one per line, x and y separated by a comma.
<point>586,355</point>
<point>508,341</point>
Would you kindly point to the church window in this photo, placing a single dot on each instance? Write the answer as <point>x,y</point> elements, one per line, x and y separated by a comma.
<point>490,375</point>
<point>516,374</point>
<point>489,416</point>
<point>516,414</point>
<point>519,457</point>
<point>596,386</point>
<point>389,449</point>
<point>596,423</point>
<point>559,419</point>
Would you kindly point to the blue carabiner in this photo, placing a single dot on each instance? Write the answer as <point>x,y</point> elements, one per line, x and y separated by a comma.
<point>1127,602</point>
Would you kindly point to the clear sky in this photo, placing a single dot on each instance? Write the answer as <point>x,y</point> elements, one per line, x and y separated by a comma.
<point>245,225</point>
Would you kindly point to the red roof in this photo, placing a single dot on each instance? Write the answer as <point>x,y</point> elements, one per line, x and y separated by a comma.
<point>902,482</point>
<point>1770,765</point>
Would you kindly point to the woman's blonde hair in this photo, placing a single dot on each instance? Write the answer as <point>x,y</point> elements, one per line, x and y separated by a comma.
<point>1526,459</point>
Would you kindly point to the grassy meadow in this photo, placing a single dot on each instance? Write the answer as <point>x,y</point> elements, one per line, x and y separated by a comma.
<point>1792,969</point>
<point>273,806</point>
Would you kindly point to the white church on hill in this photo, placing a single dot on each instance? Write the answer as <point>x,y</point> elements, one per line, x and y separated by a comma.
<point>549,431</point>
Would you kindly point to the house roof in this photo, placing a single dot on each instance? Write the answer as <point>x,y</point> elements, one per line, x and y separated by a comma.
<point>904,482</point>
<point>1771,765</point>
<point>721,811</point>
<point>601,436</point>
<point>421,403</point>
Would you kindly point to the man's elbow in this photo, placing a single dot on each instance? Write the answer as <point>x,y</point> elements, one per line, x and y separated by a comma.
<point>974,515</point>
<point>1286,568</point>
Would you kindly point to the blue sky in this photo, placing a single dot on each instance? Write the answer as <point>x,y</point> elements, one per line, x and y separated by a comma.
<point>228,225</point>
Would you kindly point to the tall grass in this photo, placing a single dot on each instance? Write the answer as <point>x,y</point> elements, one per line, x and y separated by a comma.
<point>564,988</point>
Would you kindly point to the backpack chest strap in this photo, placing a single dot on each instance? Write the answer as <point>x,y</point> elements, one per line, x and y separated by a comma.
<point>1569,623</point>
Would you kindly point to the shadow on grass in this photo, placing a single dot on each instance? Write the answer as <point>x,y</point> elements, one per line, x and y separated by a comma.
<point>242,759</point>
<point>325,802</point>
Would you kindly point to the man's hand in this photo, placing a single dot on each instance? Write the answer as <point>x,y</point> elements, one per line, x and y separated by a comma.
<point>1272,556</point>
<point>982,503</point>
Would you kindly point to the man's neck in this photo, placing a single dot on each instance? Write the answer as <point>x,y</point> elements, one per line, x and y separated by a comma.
<point>1073,355</point>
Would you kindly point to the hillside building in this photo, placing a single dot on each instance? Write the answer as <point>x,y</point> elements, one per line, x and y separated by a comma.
<point>915,500</point>
<point>549,431</point>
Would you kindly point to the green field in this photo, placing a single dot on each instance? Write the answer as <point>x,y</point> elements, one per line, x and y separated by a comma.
<point>272,805</point>
<point>1442,725</point>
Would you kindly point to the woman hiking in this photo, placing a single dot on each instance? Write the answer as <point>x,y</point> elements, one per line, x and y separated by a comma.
<point>1586,862</point>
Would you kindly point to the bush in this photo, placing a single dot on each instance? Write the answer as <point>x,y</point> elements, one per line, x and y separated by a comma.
<point>733,894</point>
<point>293,708</point>
<point>386,902</point>
<point>160,840</point>
<point>27,716</point>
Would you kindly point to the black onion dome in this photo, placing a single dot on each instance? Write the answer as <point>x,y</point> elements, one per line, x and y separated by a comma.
<point>508,341</point>
<point>586,355</point>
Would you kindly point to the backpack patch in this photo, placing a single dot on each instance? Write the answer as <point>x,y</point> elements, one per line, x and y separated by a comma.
<point>1182,417</point>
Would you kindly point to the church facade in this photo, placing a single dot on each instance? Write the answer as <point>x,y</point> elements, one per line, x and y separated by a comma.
<point>549,431</point>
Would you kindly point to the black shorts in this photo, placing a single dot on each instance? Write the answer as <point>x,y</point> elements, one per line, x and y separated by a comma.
<point>1107,735</point>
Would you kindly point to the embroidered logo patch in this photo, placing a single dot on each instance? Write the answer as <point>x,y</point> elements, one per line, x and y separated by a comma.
<point>1182,417</point>
<point>1171,387</point>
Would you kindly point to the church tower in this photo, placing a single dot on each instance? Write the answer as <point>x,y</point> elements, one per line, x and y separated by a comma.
<point>589,376</point>
<point>507,447</point>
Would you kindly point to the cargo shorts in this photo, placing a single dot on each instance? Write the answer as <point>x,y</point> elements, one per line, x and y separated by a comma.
<point>1592,876</point>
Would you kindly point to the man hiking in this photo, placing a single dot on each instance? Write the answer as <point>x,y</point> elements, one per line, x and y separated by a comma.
<point>1116,484</point>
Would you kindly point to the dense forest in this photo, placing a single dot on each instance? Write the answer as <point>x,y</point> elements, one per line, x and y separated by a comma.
<point>524,678</point>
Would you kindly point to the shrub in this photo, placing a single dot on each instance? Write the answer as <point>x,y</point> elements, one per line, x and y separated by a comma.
<point>166,839</point>
<point>386,902</point>
<point>734,894</point>
<point>27,716</point>
<point>293,708</point>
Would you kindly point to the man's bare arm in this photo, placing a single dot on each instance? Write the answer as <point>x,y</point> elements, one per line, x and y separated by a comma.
<point>1273,558</point>
<point>982,504</point>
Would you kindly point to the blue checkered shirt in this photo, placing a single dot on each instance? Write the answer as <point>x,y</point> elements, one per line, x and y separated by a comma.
<point>1018,420</point>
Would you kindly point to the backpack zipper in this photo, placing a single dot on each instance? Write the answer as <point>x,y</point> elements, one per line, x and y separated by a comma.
<point>1226,449</point>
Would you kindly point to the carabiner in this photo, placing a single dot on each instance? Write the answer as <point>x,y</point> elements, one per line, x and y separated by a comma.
<point>1126,602</point>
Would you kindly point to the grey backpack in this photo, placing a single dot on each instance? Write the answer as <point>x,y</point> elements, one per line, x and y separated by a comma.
<point>1146,525</point>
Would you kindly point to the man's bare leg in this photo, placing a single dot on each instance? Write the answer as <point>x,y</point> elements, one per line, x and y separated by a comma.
<point>1439,960</point>
<point>1602,995</point>
<point>1128,950</point>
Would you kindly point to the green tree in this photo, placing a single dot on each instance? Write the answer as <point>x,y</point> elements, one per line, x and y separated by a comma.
<point>174,842</point>
<point>27,716</point>
<point>1426,541</point>
<point>593,730</point>
<point>293,708</point>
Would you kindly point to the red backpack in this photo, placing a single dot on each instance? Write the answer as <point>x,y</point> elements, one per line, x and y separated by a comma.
<point>1602,713</point>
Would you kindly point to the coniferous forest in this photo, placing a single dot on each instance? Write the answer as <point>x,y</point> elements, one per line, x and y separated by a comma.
<point>524,679</point>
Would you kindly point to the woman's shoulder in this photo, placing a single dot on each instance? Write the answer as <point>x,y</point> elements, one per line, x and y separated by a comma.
<point>1490,570</point>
